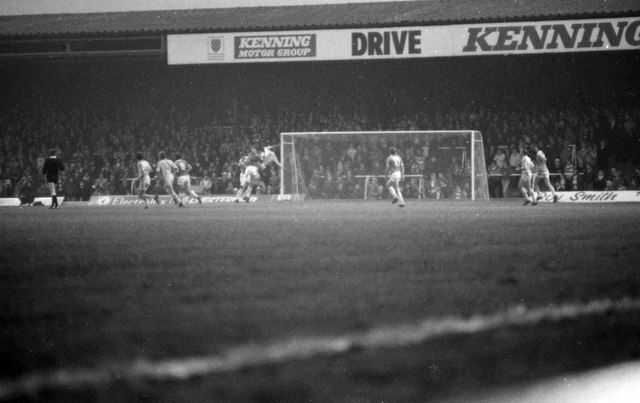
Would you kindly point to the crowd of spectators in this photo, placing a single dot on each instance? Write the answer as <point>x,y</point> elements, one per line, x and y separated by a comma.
<point>591,148</point>
<point>590,142</point>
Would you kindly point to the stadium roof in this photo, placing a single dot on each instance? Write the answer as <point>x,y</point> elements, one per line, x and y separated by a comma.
<point>417,12</point>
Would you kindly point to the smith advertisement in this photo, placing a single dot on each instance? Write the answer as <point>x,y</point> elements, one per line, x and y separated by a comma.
<point>407,42</point>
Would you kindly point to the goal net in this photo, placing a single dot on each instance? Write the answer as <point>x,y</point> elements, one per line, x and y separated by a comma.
<point>352,165</point>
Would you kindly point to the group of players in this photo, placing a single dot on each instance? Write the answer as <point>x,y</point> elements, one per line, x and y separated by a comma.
<point>529,185</point>
<point>166,170</point>
<point>531,176</point>
<point>254,162</point>
<point>251,165</point>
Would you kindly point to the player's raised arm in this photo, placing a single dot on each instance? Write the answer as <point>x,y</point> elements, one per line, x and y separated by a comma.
<point>270,156</point>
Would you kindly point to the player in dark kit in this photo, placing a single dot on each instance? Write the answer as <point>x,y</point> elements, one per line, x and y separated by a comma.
<point>252,164</point>
<point>51,170</point>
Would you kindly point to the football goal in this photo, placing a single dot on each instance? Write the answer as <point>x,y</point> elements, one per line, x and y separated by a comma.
<point>352,165</point>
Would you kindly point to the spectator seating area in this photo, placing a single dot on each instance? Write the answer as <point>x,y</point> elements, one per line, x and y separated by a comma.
<point>590,142</point>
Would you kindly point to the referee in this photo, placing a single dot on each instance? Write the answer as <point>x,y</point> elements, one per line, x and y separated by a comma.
<point>51,169</point>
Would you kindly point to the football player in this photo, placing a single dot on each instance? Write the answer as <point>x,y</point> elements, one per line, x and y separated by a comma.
<point>395,174</point>
<point>525,179</point>
<point>253,164</point>
<point>184,180</point>
<point>143,179</point>
<point>269,156</point>
<point>166,168</point>
<point>51,169</point>
<point>543,173</point>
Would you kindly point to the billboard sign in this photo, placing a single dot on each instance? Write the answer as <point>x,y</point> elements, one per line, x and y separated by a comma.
<point>609,196</point>
<point>407,42</point>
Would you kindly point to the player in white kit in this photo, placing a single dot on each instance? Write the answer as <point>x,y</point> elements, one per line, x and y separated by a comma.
<point>543,174</point>
<point>143,179</point>
<point>271,157</point>
<point>166,168</point>
<point>526,176</point>
<point>395,174</point>
<point>244,180</point>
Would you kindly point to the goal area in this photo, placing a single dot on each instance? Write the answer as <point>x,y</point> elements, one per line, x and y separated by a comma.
<point>439,164</point>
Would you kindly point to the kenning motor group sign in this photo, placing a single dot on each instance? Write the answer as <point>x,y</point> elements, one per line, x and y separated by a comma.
<point>274,46</point>
<point>407,42</point>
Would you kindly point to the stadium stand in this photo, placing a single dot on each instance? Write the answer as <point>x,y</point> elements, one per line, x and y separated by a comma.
<point>99,138</point>
<point>100,110</point>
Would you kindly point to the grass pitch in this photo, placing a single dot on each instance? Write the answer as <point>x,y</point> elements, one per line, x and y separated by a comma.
<point>102,287</point>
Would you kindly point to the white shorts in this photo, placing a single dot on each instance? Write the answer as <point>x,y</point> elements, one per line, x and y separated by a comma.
<point>168,181</point>
<point>395,177</point>
<point>251,174</point>
<point>183,180</point>
<point>144,183</point>
<point>244,179</point>
<point>525,182</point>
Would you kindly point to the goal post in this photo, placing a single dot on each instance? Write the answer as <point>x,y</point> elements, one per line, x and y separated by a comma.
<point>446,164</point>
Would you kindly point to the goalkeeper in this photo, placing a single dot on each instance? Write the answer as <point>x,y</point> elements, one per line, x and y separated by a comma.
<point>395,174</point>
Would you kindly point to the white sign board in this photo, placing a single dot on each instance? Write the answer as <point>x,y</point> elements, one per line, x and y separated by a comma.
<point>406,42</point>
<point>605,196</point>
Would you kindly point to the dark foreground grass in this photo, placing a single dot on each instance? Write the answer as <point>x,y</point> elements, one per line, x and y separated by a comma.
<point>88,287</point>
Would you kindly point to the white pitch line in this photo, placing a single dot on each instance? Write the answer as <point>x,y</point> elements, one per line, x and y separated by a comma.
<point>301,348</point>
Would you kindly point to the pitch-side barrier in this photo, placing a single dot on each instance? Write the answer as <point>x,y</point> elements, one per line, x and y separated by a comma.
<point>38,201</point>
<point>628,196</point>
<point>129,200</point>
<point>619,196</point>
